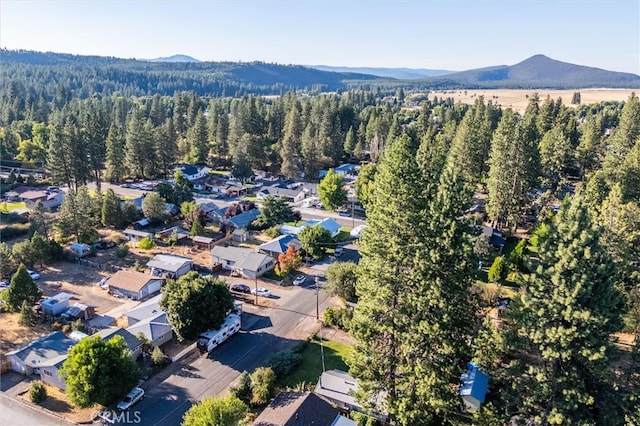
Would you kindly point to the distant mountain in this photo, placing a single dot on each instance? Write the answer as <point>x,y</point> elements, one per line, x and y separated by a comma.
<point>538,71</point>
<point>175,58</point>
<point>397,73</point>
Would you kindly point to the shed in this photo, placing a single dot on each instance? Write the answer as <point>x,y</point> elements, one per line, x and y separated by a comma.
<point>142,223</point>
<point>79,311</point>
<point>169,265</point>
<point>136,236</point>
<point>474,386</point>
<point>134,285</point>
<point>239,235</point>
<point>80,250</point>
<point>202,242</point>
<point>55,305</point>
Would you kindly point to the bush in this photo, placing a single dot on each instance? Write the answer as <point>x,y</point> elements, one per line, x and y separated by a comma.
<point>498,270</point>
<point>338,317</point>
<point>15,230</point>
<point>79,325</point>
<point>283,363</point>
<point>56,326</point>
<point>262,385</point>
<point>243,390</point>
<point>158,357</point>
<point>273,232</point>
<point>37,392</point>
<point>122,250</point>
<point>146,243</point>
<point>66,329</point>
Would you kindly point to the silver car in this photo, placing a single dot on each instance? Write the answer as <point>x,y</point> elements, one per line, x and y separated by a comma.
<point>132,397</point>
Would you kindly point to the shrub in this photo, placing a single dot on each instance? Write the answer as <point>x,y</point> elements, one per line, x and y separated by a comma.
<point>158,357</point>
<point>273,232</point>
<point>146,243</point>
<point>283,363</point>
<point>15,230</point>
<point>27,317</point>
<point>338,317</point>
<point>56,326</point>
<point>122,250</point>
<point>242,390</point>
<point>66,329</point>
<point>498,270</point>
<point>262,385</point>
<point>79,325</point>
<point>37,392</point>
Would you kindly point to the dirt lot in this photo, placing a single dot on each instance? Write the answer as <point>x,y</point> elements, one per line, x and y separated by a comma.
<point>58,403</point>
<point>518,99</point>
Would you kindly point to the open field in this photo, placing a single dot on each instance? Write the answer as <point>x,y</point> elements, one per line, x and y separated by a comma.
<point>6,207</point>
<point>518,99</point>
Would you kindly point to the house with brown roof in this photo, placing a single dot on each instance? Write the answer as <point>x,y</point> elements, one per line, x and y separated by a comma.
<point>134,285</point>
<point>49,199</point>
<point>297,408</point>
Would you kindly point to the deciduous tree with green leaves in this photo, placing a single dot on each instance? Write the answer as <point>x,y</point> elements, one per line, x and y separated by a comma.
<point>331,190</point>
<point>341,280</point>
<point>195,304</point>
<point>227,411</point>
<point>100,372</point>
<point>315,240</point>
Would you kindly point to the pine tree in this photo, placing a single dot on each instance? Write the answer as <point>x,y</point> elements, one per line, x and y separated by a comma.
<point>21,289</point>
<point>625,136</point>
<point>555,157</point>
<point>111,209</point>
<point>414,316</point>
<point>115,156</point>
<point>570,308</point>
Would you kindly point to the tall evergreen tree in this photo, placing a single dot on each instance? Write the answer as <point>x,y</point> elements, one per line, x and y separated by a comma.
<point>111,209</point>
<point>115,155</point>
<point>414,316</point>
<point>570,307</point>
<point>555,157</point>
<point>625,136</point>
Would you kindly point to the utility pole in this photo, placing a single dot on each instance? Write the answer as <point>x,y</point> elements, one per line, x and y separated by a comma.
<point>317,299</point>
<point>256,289</point>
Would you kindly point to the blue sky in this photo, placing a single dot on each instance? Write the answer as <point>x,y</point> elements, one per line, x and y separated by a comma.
<point>437,34</point>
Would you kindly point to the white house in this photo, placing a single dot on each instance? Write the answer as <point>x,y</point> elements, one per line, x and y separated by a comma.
<point>248,262</point>
<point>192,173</point>
<point>327,223</point>
<point>169,265</point>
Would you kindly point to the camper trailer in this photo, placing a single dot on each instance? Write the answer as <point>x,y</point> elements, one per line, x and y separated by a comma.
<point>209,340</point>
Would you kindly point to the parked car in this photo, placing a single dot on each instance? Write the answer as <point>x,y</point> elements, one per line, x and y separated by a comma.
<point>261,291</point>
<point>34,274</point>
<point>132,397</point>
<point>240,288</point>
<point>344,213</point>
<point>299,280</point>
<point>4,284</point>
<point>338,252</point>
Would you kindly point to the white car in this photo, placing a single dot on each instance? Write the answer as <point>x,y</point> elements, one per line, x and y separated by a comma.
<point>299,280</point>
<point>34,274</point>
<point>132,397</point>
<point>261,291</point>
<point>338,252</point>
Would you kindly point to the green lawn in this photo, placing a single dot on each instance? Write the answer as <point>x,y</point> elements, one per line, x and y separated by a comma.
<point>310,369</point>
<point>7,207</point>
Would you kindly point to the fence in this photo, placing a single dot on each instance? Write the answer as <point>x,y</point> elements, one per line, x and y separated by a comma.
<point>95,265</point>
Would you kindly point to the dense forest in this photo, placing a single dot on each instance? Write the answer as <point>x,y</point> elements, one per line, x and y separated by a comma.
<point>418,320</point>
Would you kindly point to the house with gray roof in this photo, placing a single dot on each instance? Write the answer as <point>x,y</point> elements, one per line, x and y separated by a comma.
<point>28,359</point>
<point>297,408</point>
<point>170,266</point>
<point>291,195</point>
<point>244,219</point>
<point>132,342</point>
<point>149,319</point>
<point>339,388</point>
<point>279,245</point>
<point>249,263</point>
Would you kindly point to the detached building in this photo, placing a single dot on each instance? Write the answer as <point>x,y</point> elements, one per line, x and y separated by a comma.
<point>170,266</point>
<point>134,285</point>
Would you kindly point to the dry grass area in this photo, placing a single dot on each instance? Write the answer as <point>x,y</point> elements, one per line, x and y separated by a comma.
<point>15,335</point>
<point>518,99</point>
<point>58,403</point>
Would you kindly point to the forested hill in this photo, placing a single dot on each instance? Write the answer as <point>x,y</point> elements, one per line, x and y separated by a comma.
<point>89,75</point>
<point>537,72</point>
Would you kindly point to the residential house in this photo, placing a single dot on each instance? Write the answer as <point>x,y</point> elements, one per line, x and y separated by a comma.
<point>156,329</point>
<point>339,388</point>
<point>346,170</point>
<point>179,233</point>
<point>244,219</point>
<point>136,235</point>
<point>170,266</point>
<point>496,238</point>
<point>145,310</point>
<point>28,359</point>
<point>280,245</point>
<point>142,223</point>
<point>249,263</point>
<point>192,173</point>
<point>137,202</point>
<point>133,343</point>
<point>474,386</point>
<point>171,209</point>
<point>327,223</point>
<point>214,212</point>
<point>49,368</point>
<point>291,195</point>
<point>49,199</point>
<point>57,304</point>
<point>297,408</point>
<point>134,285</point>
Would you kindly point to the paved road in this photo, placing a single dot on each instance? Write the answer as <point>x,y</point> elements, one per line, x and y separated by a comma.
<point>13,413</point>
<point>266,330</point>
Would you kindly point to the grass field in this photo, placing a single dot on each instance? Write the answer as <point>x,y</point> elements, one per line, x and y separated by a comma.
<point>310,369</point>
<point>518,99</point>
<point>7,207</point>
